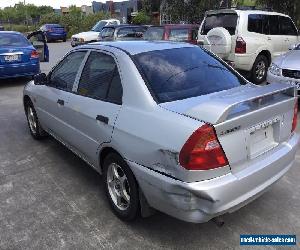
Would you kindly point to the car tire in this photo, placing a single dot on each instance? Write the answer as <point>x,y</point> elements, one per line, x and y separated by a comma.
<point>121,188</point>
<point>64,40</point>
<point>34,125</point>
<point>259,69</point>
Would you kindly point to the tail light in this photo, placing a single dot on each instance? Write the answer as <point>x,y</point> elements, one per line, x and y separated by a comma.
<point>294,124</point>
<point>34,54</point>
<point>240,46</point>
<point>202,151</point>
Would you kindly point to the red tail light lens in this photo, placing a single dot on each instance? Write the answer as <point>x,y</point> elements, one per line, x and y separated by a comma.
<point>294,124</point>
<point>202,151</point>
<point>34,54</point>
<point>240,46</point>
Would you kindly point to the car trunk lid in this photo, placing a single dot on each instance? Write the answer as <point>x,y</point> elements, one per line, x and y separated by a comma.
<point>10,55</point>
<point>249,120</point>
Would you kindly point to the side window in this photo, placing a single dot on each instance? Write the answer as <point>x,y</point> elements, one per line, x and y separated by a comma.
<point>107,33</point>
<point>255,23</point>
<point>126,33</point>
<point>287,27</point>
<point>63,76</point>
<point>274,25</point>
<point>179,34</point>
<point>100,79</point>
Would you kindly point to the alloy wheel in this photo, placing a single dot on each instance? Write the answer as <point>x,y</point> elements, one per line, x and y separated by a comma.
<point>118,186</point>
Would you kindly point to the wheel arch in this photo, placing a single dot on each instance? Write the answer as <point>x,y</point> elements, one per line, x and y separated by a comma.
<point>267,54</point>
<point>26,100</point>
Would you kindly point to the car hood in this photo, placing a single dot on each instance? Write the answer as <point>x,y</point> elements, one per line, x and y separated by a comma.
<point>290,60</point>
<point>87,36</point>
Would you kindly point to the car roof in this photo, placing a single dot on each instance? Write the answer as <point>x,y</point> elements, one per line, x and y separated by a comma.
<point>238,11</point>
<point>122,26</point>
<point>137,47</point>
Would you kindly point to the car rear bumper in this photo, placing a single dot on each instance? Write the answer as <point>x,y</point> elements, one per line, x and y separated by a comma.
<point>56,36</point>
<point>201,201</point>
<point>19,70</point>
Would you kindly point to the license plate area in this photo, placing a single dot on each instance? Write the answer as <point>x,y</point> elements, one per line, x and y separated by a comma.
<point>261,138</point>
<point>12,58</point>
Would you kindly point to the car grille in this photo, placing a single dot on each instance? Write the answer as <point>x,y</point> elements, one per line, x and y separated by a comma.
<point>291,73</point>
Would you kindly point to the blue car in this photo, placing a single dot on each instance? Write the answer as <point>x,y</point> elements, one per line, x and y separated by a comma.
<point>54,32</point>
<point>18,57</point>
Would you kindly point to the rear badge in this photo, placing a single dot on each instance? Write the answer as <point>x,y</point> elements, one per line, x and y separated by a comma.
<point>230,130</point>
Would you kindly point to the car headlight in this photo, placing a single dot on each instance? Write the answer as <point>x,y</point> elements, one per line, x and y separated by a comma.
<point>275,70</point>
<point>81,40</point>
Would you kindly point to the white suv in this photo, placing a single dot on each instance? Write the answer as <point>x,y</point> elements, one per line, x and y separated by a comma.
<point>247,39</point>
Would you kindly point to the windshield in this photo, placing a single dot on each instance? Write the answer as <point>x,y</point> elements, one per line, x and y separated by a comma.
<point>13,40</point>
<point>98,27</point>
<point>225,20</point>
<point>176,74</point>
<point>154,33</point>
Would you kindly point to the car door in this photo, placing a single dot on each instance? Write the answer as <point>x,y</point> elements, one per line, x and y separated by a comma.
<point>275,38</point>
<point>288,31</point>
<point>91,114</point>
<point>53,97</point>
<point>38,41</point>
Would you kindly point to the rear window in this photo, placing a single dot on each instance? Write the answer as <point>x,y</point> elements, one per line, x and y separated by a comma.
<point>13,40</point>
<point>176,74</point>
<point>225,20</point>
<point>154,33</point>
<point>179,34</point>
<point>131,32</point>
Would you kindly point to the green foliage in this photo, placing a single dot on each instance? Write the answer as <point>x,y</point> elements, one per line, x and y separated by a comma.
<point>141,18</point>
<point>49,18</point>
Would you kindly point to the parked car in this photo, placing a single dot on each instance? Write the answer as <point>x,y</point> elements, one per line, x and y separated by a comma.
<point>169,125</point>
<point>286,68</point>
<point>18,57</point>
<point>248,39</point>
<point>54,32</point>
<point>121,32</point>
<point>173,32</point>
<point>92,35</point>
<point>2,28</point>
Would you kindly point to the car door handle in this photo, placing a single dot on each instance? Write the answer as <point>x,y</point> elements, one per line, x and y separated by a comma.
<point>61,102</point>
<point>102,118</point>
<point>269,38</point>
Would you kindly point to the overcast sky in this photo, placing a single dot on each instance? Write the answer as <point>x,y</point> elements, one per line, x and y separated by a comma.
<point>53,3</point>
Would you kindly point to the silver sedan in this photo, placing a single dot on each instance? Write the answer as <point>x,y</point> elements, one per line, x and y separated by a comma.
<point>286,68</point>
<point>169,125</point>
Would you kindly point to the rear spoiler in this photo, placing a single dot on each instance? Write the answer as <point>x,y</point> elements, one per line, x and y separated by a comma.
<point>220,106</point>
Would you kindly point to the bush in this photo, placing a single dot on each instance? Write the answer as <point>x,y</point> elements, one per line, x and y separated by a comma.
<point>20,28</point>
<point>141,18</point>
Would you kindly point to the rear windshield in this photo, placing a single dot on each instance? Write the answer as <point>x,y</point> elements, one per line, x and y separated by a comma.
<point>13,40</point>
<point>176,74</point>
<point>225,20</point>
<point>154,33</point>
<point>54,26</point>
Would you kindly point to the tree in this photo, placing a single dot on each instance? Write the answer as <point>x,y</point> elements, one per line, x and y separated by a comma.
<point>141,18</point>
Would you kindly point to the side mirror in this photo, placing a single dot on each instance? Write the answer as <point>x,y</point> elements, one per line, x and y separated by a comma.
<point>40,79</point>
